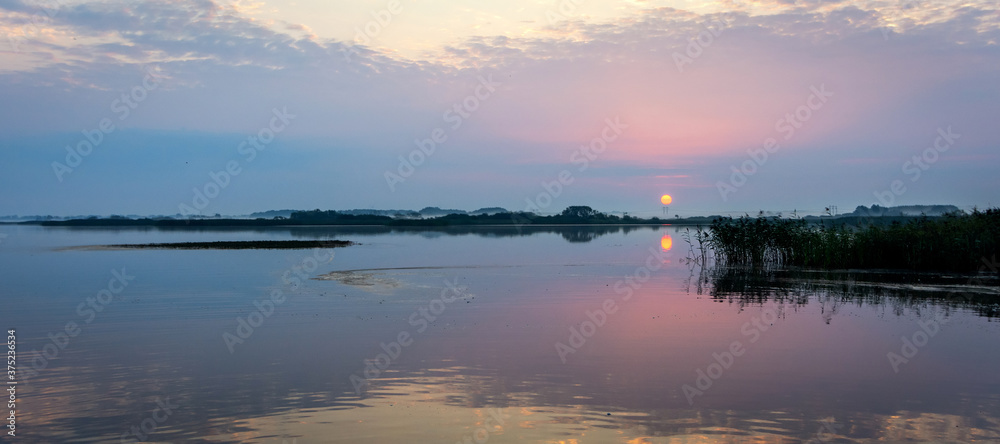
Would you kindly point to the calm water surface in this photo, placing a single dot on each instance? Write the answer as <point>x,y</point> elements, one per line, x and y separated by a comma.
<point>558,335</point>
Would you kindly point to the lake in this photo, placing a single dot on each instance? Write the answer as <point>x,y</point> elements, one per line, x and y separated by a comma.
<point>557,334</point>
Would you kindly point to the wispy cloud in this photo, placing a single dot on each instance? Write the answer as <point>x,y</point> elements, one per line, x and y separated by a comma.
<point>225,64</point>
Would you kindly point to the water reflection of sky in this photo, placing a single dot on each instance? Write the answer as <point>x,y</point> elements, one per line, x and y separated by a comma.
<point>493,348</point>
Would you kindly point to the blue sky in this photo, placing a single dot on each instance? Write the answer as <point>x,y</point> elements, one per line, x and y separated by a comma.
<point>698,89</point>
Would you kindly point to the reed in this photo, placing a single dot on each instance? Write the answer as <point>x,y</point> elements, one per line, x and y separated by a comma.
<point>954,242</point>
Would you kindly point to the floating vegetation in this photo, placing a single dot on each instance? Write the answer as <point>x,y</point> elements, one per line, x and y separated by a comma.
<point>242,245</point>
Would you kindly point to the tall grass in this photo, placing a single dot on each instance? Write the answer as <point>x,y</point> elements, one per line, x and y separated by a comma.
<point>955,242</point>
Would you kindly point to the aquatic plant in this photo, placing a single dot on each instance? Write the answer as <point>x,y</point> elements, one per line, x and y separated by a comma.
<point>898,291</point>
<point>954,242</point>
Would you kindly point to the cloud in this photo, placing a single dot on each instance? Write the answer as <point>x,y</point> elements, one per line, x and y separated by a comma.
<point>224,70</point>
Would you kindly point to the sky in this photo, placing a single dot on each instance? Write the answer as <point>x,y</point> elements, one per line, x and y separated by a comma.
<point>205,107</point>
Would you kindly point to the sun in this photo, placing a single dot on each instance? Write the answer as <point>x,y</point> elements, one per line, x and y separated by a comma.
<point>666,199</point>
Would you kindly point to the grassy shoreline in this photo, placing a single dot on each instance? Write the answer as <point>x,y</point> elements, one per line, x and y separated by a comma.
<point>955,242</point>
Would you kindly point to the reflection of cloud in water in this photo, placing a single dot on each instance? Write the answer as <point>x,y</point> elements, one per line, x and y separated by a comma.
<point>447,404</point>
